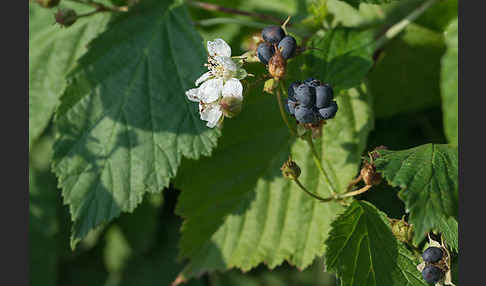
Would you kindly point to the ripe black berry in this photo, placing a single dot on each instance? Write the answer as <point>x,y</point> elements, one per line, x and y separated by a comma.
<point>292,88</point>
<point>432,254</point>
<point>273,34</point>
<point>324,95</point>
<point>290,107</point>
<point>432,274</point>
<point>329,112</point>
<point>304,95</point>
<point>265,51</point>
<point>287,46</point>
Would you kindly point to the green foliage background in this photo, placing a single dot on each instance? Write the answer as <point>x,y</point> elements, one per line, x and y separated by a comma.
<point>128,187</point>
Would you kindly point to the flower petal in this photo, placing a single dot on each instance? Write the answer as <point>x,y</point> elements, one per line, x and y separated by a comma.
<point>193,94</point>
<point>210,90</point>
<point>210,113</point>
<point>227,63</point>
<point>233,87</point>
<point>219,47</point>
<point>203,78</point>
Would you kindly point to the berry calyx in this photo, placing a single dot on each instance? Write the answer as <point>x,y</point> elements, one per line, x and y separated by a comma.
<point>432,274</point>
<point>432,254</point>
<point>66,17</point>
<point>277,65</point>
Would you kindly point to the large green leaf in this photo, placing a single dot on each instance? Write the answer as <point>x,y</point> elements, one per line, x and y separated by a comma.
<point>124,121</point>
<point>53,51</point>
<point>427,175</point>
<point>449,229</point>
<point>239,211</point>
<point>342,58</point>
<point>449,83</point>
<point>362,250</point>
<point>406,77</point>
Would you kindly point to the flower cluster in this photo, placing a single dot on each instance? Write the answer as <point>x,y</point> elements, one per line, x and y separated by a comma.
<point>219,91</point>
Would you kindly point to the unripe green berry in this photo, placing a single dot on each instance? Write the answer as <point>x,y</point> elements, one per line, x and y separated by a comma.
<point>290,170</point>
<point>66,17</point>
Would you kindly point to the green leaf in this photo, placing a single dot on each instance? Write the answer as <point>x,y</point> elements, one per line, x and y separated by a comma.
<point>53,51</point>
<point>124,121</point>
<point>342,58</point>
<point>239,211</point>
<point>43,225</point>
<point>356,3</point>
<point>427,175</point>
<point>406,77</point>
<point>362,250</point>
<point>449,83</point>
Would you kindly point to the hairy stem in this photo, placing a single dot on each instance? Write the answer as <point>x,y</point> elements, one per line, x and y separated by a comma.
<point>282,112</point>
<point>400,26</point>
<point>317,161</point>
<point>312,194</point>
<point>218,8</point>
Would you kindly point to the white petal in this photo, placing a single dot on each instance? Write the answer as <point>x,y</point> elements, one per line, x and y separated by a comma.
<point>227,63</point>
<point>193,94</point>
<point>210,113</point>
<point>203,78</point>
<point>210,90</point>
<point>233,87</point>
<point>219,47</point>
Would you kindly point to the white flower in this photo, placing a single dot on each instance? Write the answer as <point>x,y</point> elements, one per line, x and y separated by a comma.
<point>222,80</point>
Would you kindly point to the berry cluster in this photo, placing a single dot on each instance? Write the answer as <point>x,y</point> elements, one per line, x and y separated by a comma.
<point>311,101</point>
<point>274,38</point>
<point>432,256</point>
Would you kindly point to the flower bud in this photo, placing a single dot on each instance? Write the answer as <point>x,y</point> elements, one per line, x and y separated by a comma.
<point>231,106</point>
<point>65,17</point>
<point>290,170</point>
<point>48,3</point>
<point>369,174</point>
<point>277,65</point>
<point>401,230</point>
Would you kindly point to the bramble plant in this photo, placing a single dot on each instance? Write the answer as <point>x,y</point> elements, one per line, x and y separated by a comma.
<point>328,136</point>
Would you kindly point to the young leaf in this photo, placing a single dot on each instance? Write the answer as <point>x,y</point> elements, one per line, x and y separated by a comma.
<point>449,83</point>
<point>427,175</point>
<point>239,211</point>
<point>124,120</point>
<point>53,51</point>
<point>362,250</point>
<point>448,227</point>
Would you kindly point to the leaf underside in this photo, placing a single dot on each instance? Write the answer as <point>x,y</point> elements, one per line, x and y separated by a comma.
<point>427,176</point>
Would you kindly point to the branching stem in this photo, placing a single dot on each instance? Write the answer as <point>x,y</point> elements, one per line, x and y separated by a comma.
<point>100,7</point>
<point>282,112</point>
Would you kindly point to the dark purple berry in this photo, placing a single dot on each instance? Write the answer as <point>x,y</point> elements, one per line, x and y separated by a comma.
<point>304,114</point>
<point>432,254</point>
<point>292,88</point>
<point>264,52</point>
<point>304,95</point>
<point>432,274</point>
<point>324,95</point>
<point>329,112</point>
<point>287,47</point>
<point>273,34</point>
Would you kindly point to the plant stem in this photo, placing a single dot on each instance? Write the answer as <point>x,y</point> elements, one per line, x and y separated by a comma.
<point>312,194</point>
<point>317,161</point>
<point>218,8</point>
<point>355,193</point>
<point>400,26</point>
<point>282,112</point>
<point>100,7</point>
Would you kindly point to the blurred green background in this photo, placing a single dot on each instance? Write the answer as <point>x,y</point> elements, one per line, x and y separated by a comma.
<point>141,248</point>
